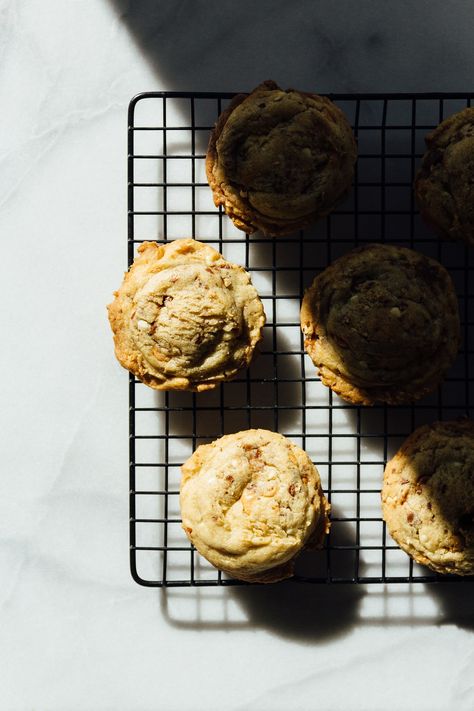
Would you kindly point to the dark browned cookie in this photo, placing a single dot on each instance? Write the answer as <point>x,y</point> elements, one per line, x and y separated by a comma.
<point>428,496</point>
<point>381,324</point>
<point>444,186</point>
<point>278,160</point>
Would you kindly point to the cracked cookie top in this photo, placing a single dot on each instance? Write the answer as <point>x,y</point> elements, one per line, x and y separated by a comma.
<point>185,318</point>
<point>278,160</point>
<point>381,324</point>
<point>250,502</point>
<point>428,496</point>
<point>444,186</point>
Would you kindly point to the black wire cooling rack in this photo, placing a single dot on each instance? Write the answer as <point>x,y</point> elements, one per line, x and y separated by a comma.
<point>168,197</point>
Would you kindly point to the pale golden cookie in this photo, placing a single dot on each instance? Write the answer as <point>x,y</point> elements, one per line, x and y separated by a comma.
<point>428,496</point>
<point>185,318</point>
<point>381,323</point>
<point>250,502</point>
<point>278,160</point>
<point>444,185</point>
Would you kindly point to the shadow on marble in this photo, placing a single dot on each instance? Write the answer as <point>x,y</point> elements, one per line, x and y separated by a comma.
<point>318,613</point>
<point>309,612</point>
<point>301,611</point>
<point>209,46</point>
<point>418,605</point>
<point>455,602</point>
<point>315,614</point>
<point>304,612</point>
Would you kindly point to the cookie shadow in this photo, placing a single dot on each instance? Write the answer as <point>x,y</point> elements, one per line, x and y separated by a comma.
<point>169,426</point>
<point>296,258</point>
<point>309,613</point>
<point>300,611</point>
<point>455,601</point>
<point>382,428</point>
<point>266,395</point>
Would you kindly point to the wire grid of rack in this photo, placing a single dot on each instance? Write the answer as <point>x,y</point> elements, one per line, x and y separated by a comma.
<point>168,198</point>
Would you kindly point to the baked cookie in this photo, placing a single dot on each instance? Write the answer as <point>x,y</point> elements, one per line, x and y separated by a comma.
<point>278,160</point>
<point>250,502</point>
<point>381,324</point>
<point>444,186</point>
<point>428,496</point>
<point>184,318</point>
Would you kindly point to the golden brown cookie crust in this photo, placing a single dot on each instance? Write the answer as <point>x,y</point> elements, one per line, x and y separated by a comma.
<point>428,496</point>
<point>184,318</point>
<point>250,502</point>
<point>278,160</point>
<point>444,185</point>
<point>381,323</point>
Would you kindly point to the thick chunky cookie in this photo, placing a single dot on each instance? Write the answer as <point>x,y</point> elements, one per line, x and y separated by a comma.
<point>444,186</point>
<point>250,502</point>
<point>185,318</point>
<point>428,496</point>
<point>381,324</point>
<point>278,160</point>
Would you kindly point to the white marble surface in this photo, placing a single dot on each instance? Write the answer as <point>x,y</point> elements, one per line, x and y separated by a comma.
<point>75,631</point>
